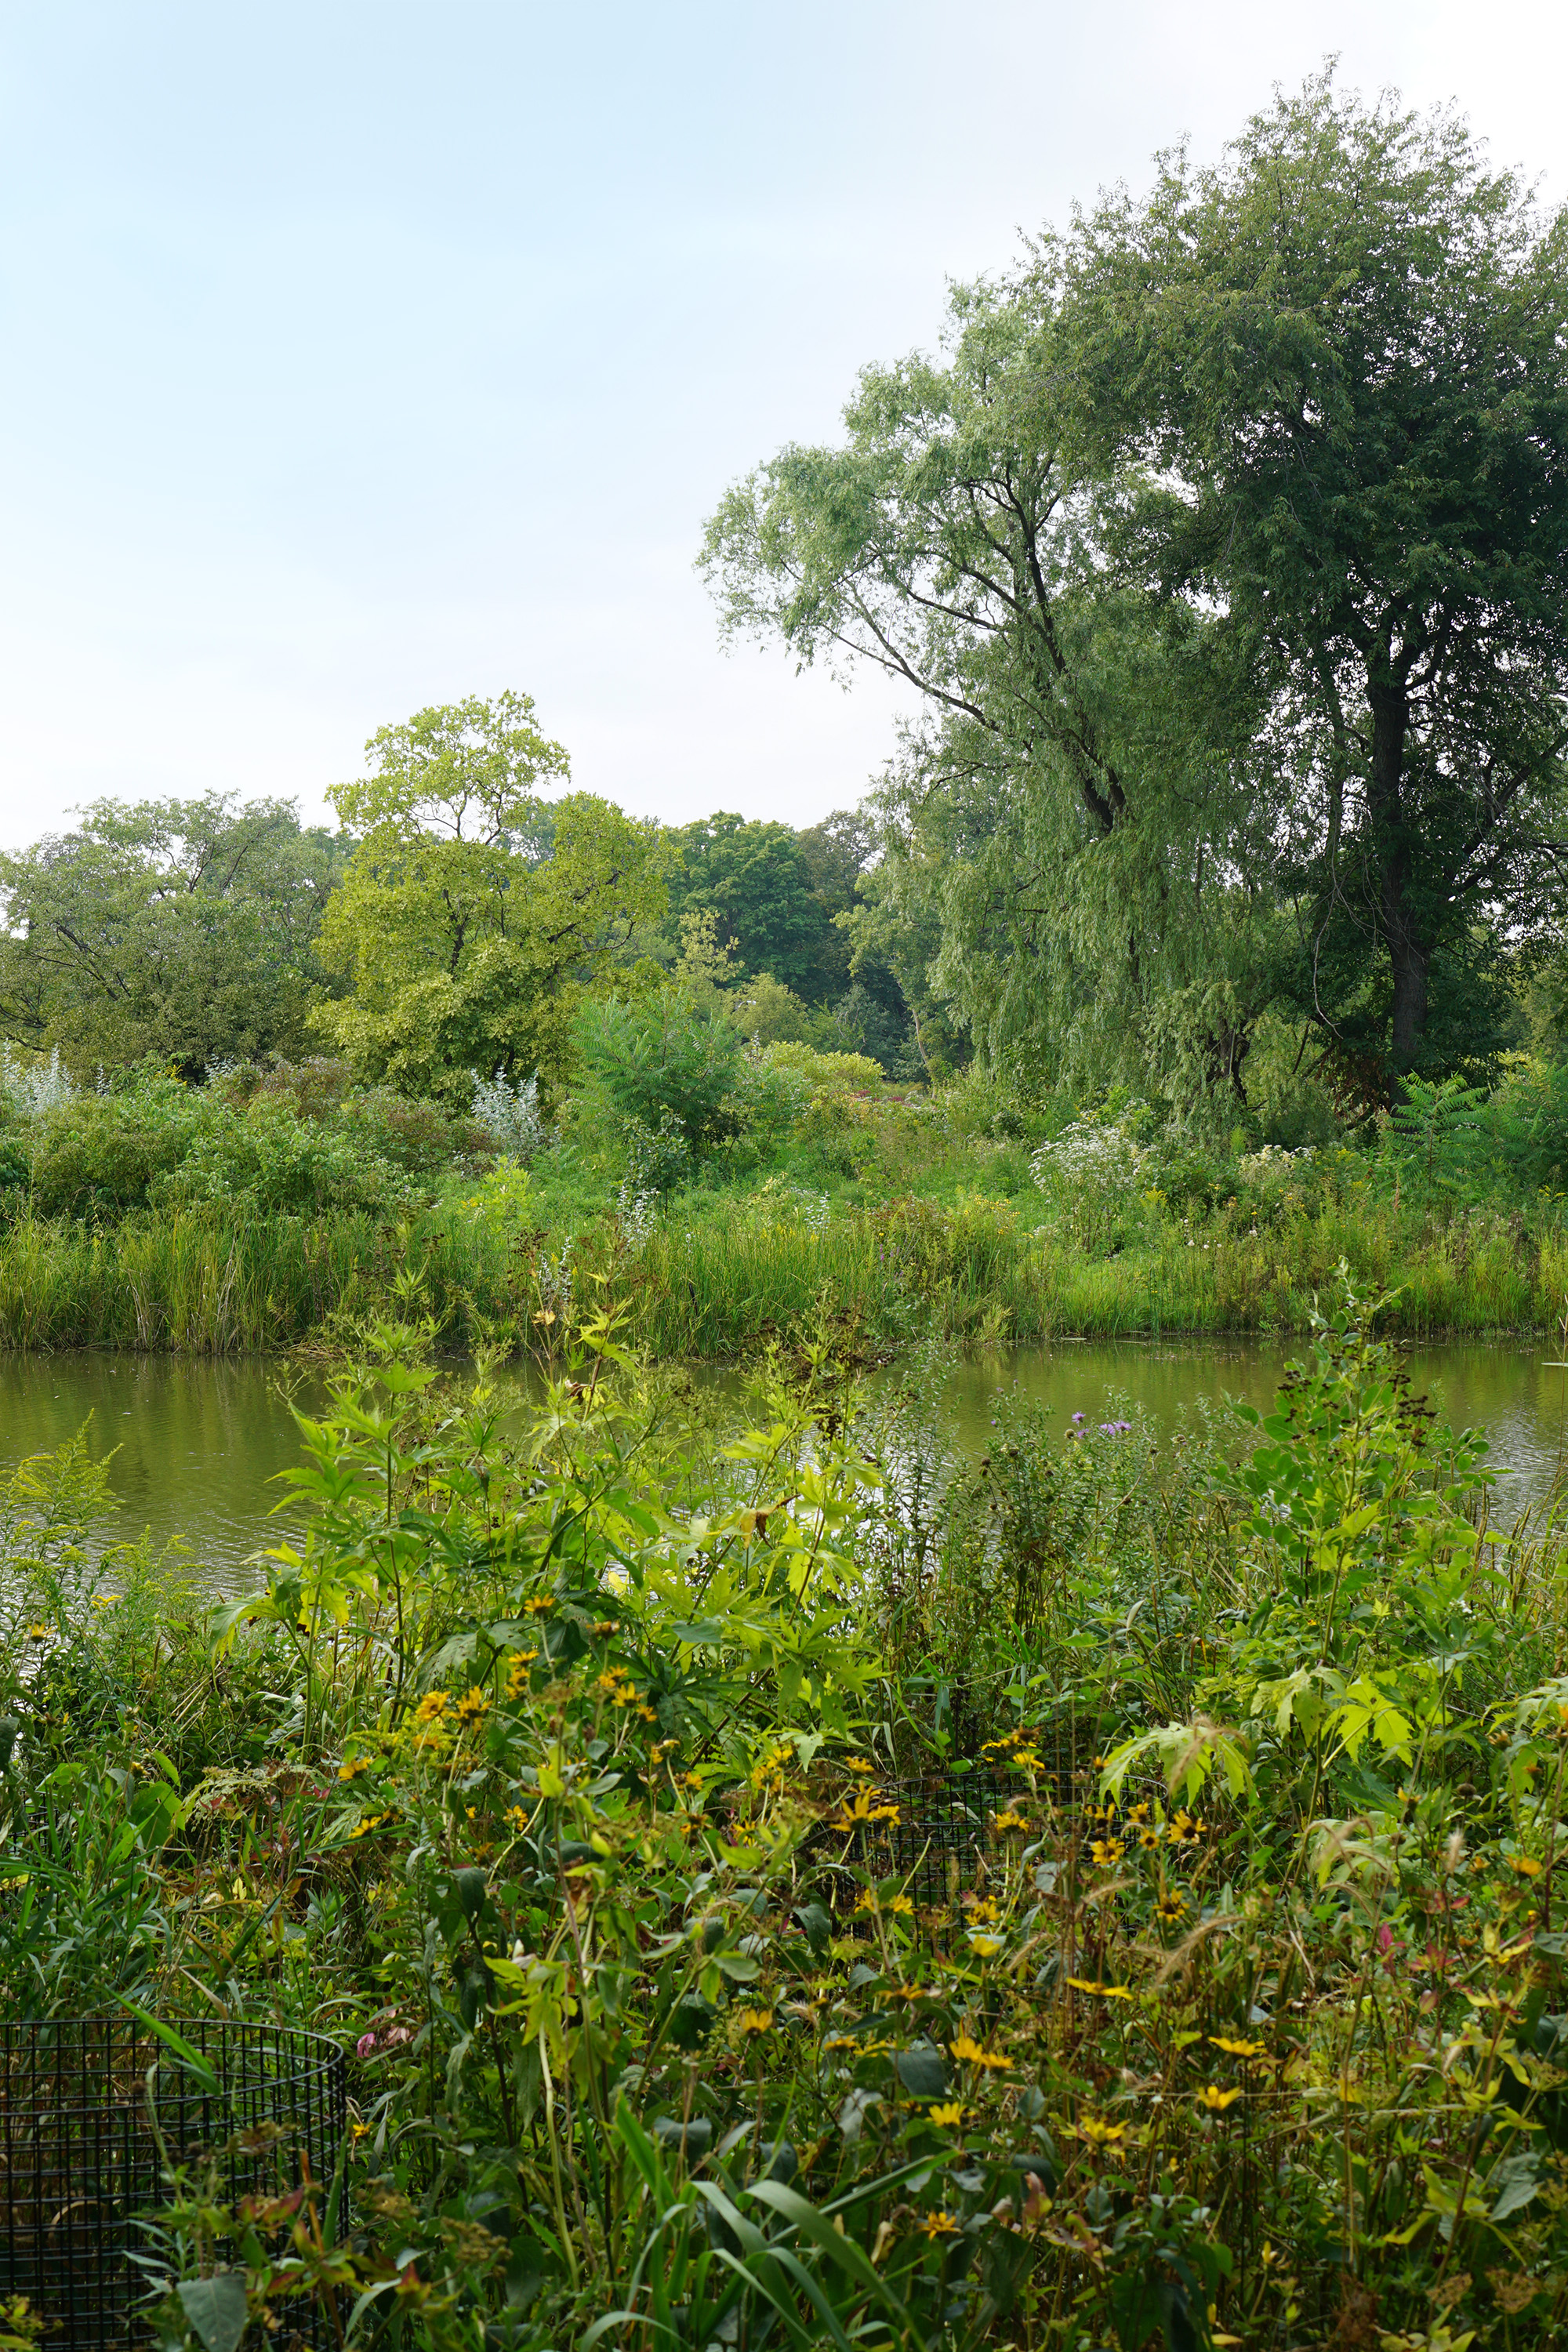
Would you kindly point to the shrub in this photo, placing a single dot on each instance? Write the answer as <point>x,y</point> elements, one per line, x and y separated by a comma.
<point>660,1064</point>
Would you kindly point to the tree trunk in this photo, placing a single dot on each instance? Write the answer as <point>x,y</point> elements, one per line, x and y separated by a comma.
<point>1408,959</point>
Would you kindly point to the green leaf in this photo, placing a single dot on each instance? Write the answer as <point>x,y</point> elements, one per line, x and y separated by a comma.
<point>922,2073</point>
<point>216,2308</point>
<point>194,2064</point>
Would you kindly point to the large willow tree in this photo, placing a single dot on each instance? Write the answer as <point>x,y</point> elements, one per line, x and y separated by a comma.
<point>1227,547</point>
<point>1073,816</point>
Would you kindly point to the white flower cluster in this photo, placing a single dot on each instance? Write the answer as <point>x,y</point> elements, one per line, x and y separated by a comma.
<point>1087,1159</point>
<point>35,1087</point>
<point>637,1208</point>
<point>1273,1167</point>
<point>511,1115</point>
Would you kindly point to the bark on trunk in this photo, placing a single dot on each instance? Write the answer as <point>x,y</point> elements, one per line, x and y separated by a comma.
<point>1408,958</point>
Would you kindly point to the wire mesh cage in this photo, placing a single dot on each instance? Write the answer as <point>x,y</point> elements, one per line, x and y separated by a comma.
<point>79,2160</point>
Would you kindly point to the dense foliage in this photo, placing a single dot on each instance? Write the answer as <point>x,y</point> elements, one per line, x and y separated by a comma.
<point>1226,545</point>
<point>581,1778</point>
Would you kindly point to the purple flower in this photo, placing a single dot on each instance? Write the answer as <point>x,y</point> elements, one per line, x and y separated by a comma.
<point>365,2046</point>
<point>1078,1417</point>
<point>1114,1428</point>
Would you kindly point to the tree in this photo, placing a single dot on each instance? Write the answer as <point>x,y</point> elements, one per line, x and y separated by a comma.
<point>754,879</point>
<point>1075,820</point>
<point>474,914</point>
<point>183,929</point>
<point>1334,372</point>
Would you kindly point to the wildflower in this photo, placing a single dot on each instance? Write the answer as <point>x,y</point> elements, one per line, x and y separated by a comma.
<point>1236,2049</point>
<point>517,1672</point>
<point>1213,2102</point>
<point>431,1708</point>
<point>474,1705</point>
<point>1011,1820</point>
<point>939,2225</point>
<point>1106,1993</point>
<point>986,1947</point>
<point>902,1906</point>
<point>1525,1863</point>
<point>1026,1759</point>
<point>368,1822</point>
<point>968,2052</point>
<point>1148,1840</point>
<point>856,1764</point>
<point>1170,1909</point>
<point>907,1992</point>
<point>755,2020</point>
<point>353,1767</point>
<point>520,1819</point>
<point>1106,1852</point>
<point>539,1606</point>
<point>104,1600</point>
<point>947,2116</point>
<point>39,1632</point>
<point>1098,2133</point>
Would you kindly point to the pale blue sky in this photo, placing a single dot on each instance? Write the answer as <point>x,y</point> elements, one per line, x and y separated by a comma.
<point>358,357</point>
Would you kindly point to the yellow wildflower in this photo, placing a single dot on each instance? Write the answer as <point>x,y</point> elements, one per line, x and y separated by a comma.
<point>431,1708</point>
<point>1236,2049</point>
<point>754,2021</point>
<point>968,2052</point>
<point>1106,1993</point>
<point>474,1705</point>
<point>1213,2102</point>
<point>947,2116</point>
<point>353,1767</point>
<point>1098,2133</point>
<point>939,2225</point>
<point>517,1672</point>
<point>986,1947</point>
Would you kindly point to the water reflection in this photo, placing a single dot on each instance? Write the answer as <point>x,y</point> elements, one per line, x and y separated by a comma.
<point>197,1443</point>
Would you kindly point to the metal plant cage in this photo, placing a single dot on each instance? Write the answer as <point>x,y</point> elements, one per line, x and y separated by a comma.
<point>80,2164</point>
<point>942,1834</point>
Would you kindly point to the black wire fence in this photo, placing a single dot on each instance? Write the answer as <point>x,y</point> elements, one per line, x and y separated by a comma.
<point>80,2163</point>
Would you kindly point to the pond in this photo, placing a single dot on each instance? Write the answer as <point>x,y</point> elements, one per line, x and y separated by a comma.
<point>197,1445</point>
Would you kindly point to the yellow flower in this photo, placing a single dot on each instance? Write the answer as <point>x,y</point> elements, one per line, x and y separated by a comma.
<point>968,2052</point>
<point>39,1632</point>
<point>474,1705</point>
<point>1213,2101</point>
<point>982,1907</point>
<point>539,1606</point>
<point>902,1906</point>
<point>1525,1863</point>
<point>104,1600</point>
<point>517,1672</point>
<point>1099,2134</point>
<point>1106,1852</point>
<point>1026,1759</point>
<point>939,2225</point>
<point>1011,1820</point>
<point>367,1823</point>
<point>353,1767</point>
<point>856,1764</point>
<point>1236,2049</point>
<point>1106,1993</point>
<point>948,2116</point>
<point>985,1947</point>
<point>755,2020</point>
<point>1171,1907</point>
<point>431,1708</point>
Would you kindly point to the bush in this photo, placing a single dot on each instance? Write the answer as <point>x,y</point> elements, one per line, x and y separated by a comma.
<point>661,1064</point>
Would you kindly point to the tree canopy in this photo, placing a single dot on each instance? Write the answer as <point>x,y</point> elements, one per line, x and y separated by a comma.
<point>186,930</point>
<point>473,912</point>
<point>1226,545</point>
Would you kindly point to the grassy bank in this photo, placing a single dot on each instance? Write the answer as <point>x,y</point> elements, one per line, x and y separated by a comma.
<point>718,1275</point>
<point>214,1220</point>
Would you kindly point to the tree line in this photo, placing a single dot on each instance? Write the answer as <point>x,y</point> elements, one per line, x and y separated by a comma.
<point>453,922</point>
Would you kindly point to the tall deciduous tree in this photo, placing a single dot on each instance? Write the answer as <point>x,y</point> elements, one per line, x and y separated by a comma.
<point>474,912</point>
<point>1336,368</point>
<point>185,928</point>
<point>1073,820</point>
<point>753,880</point>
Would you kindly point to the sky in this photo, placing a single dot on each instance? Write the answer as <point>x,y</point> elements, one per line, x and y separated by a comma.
<point>362,357</point>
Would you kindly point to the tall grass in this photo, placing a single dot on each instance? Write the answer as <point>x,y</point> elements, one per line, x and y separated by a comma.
<point>718,1280</point>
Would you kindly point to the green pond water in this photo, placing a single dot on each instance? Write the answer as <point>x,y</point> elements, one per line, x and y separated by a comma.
<point>197,1445</point>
